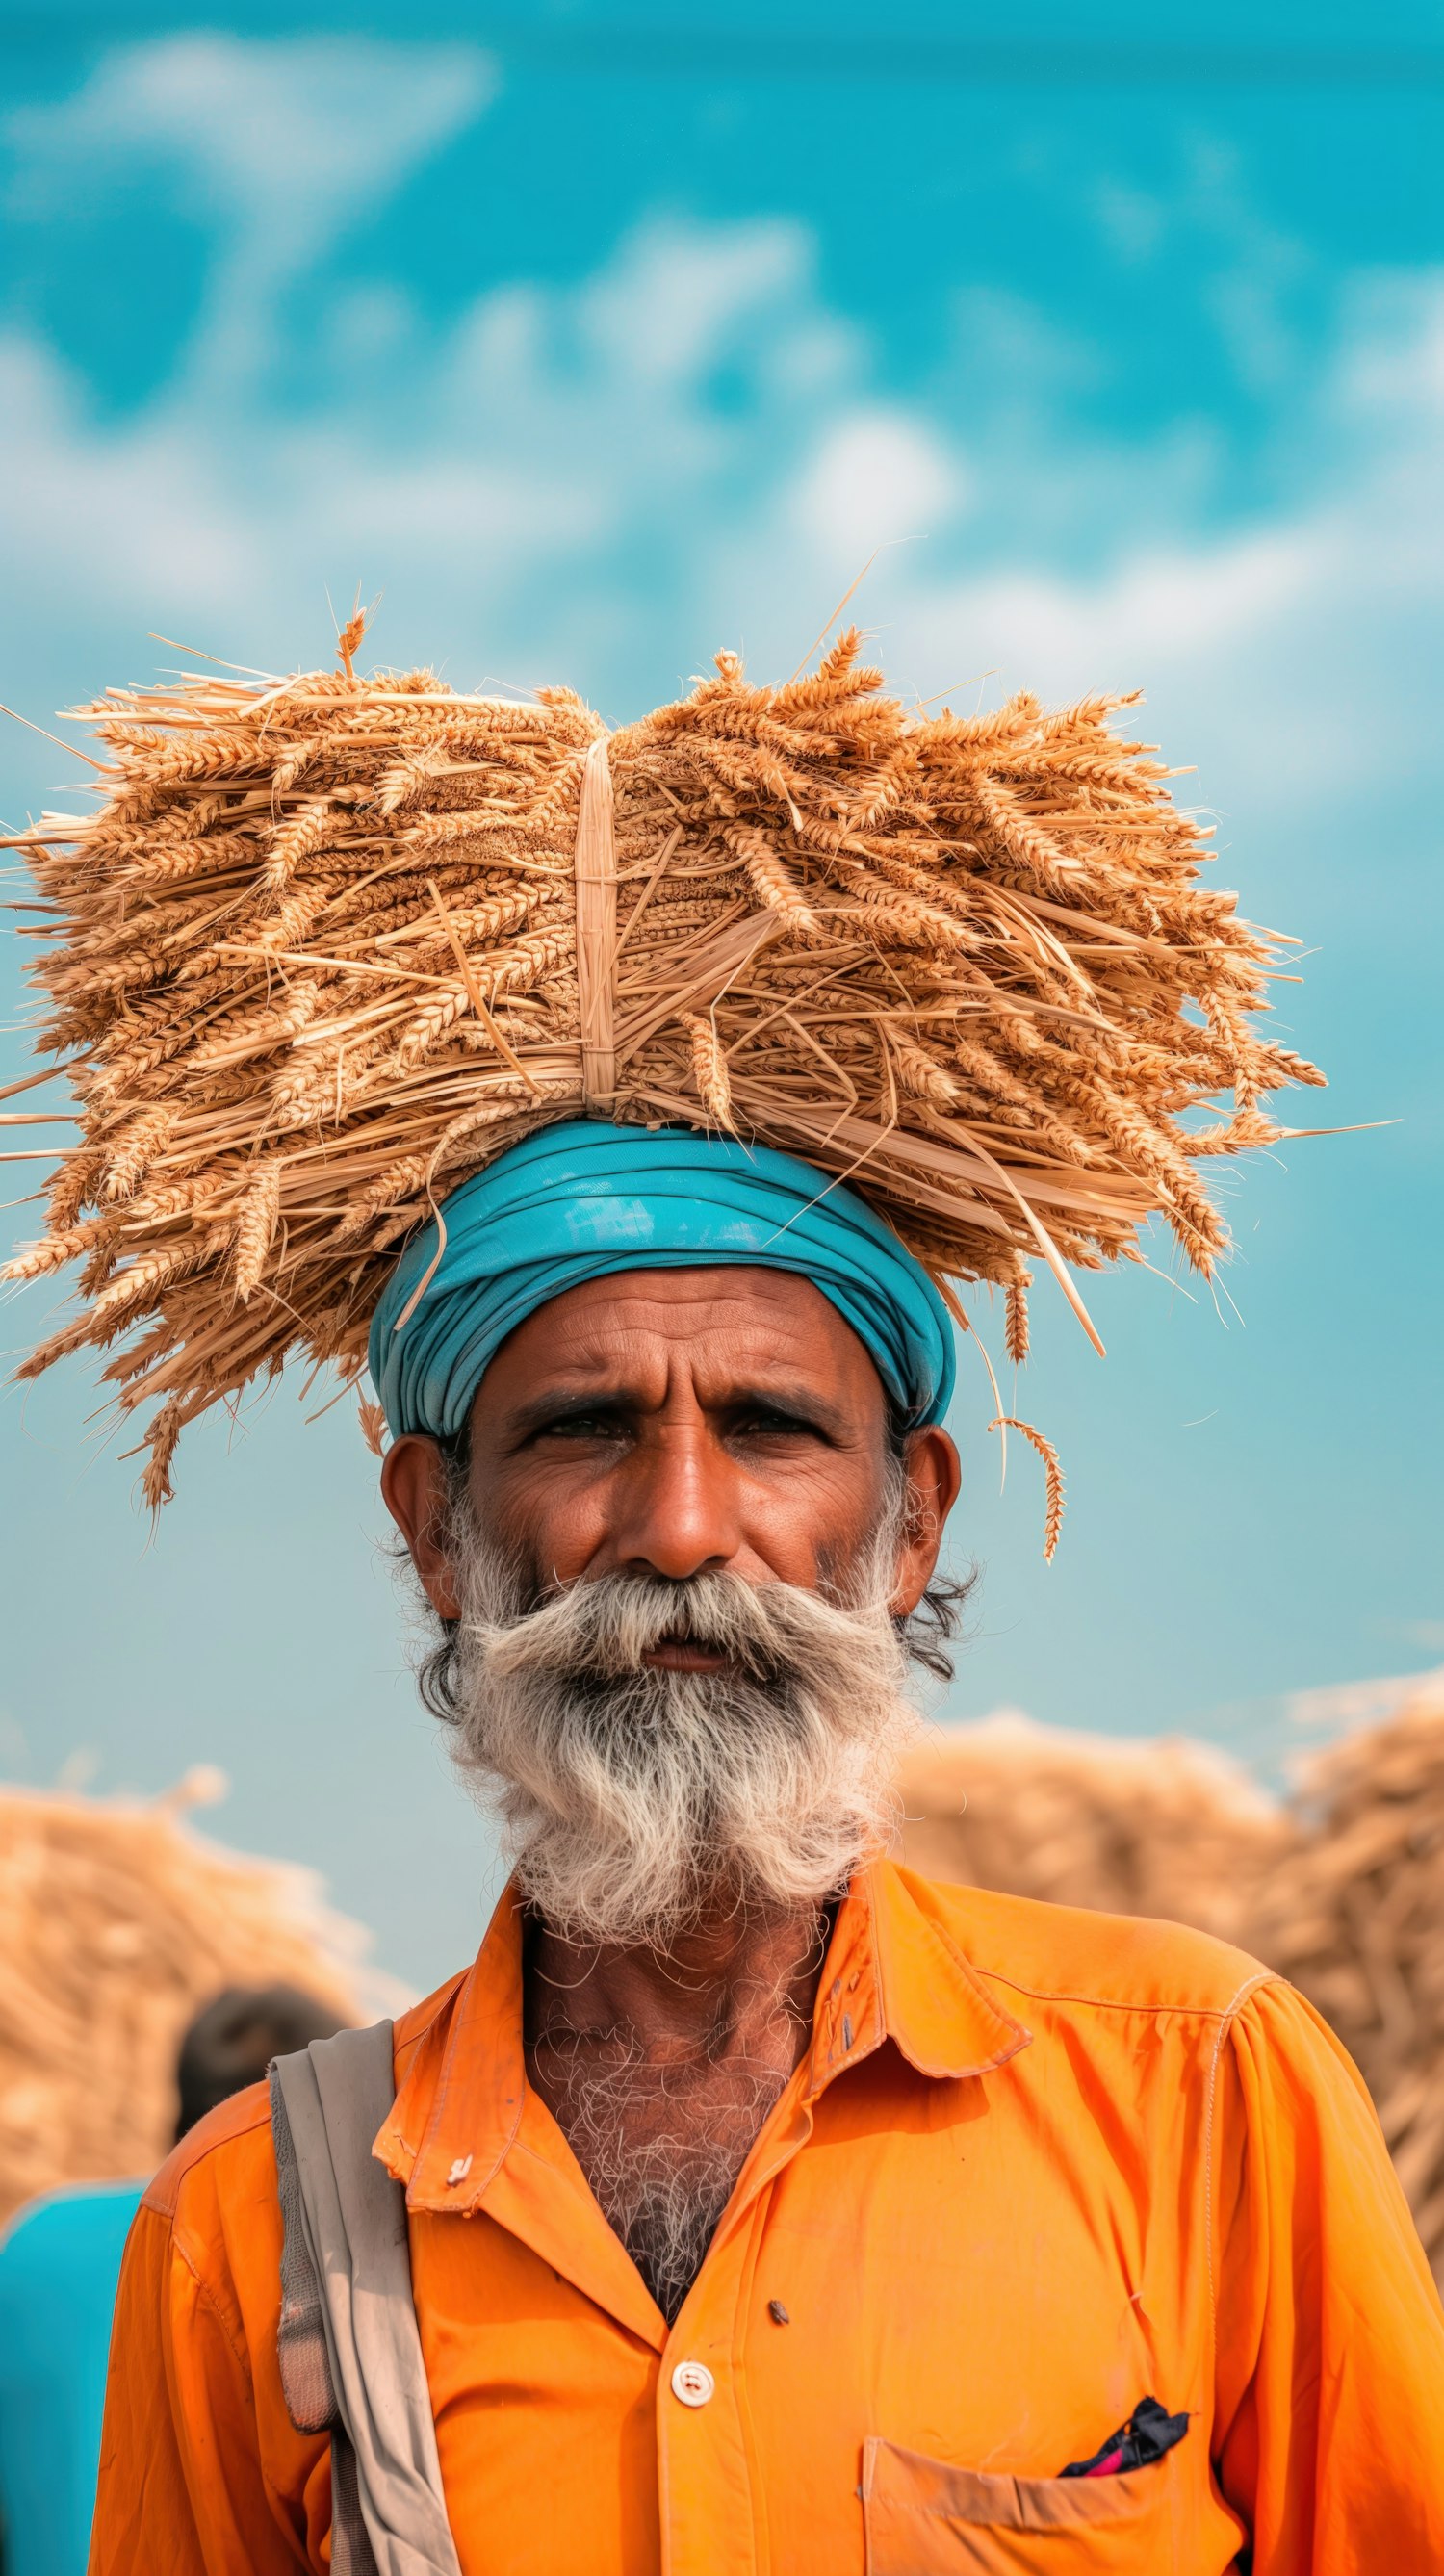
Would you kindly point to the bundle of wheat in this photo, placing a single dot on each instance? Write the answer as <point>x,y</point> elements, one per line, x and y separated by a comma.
<point>116,1925</point>
<point>329,944</point>
<point>1168,1827</point>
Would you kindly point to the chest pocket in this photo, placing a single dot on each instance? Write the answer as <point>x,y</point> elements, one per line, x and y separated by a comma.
<point>924,2518</point>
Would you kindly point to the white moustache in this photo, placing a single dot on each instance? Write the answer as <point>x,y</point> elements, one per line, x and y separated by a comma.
<point>610,1626</point>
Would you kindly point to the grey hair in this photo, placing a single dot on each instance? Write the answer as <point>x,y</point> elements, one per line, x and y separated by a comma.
<point>635,1798</point>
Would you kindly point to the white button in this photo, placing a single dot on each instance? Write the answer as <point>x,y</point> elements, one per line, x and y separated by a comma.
<point>693,2382</point>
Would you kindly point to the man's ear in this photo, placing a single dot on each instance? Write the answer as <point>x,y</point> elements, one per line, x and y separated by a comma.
<point>413,1488</point>
<point>935,1475</point>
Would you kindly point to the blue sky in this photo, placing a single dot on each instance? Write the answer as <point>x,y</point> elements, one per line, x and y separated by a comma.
<point>593,340</point>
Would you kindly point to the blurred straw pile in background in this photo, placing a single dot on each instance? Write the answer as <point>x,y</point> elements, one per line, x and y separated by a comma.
<point>1356,1919</point>
<point>1342,1888</point>
<point>117,1923</point>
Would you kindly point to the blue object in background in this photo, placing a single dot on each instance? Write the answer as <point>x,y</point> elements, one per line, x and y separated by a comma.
<point>59,2265</point>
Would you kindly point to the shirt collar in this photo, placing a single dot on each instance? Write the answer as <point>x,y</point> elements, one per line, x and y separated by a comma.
<point>461,2098</point>
<point>893,1971</point>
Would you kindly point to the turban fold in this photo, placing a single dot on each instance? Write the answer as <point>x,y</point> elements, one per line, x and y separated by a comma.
<point>577,1201</point>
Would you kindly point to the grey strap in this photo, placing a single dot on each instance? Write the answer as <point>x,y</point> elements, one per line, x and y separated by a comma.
<point>350,2351</point>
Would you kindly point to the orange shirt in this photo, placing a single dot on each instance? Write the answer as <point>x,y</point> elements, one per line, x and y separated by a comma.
<point>1036,2165</point>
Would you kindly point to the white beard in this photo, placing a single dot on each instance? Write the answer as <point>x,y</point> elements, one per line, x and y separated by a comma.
<point>633,1800</point>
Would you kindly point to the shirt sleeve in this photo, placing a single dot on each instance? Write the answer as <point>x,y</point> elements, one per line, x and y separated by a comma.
<point>1329,2428</point>
<point>183,2487</point>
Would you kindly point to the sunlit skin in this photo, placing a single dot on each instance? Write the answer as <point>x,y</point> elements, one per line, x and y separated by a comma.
<point>674,1423</point>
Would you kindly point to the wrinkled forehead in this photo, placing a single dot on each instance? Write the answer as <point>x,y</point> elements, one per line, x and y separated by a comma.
<point>711,1336</point>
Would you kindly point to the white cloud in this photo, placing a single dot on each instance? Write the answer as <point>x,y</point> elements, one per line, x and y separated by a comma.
<point>288,140</point>
<point>281,144</point>
<point>549,429</point>
<point>690,440</point>
<point>874,477</point>
<point>1305,635</point>
<point>685,297</point>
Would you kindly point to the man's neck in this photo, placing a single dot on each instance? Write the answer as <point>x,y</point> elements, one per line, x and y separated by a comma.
<point>661,2066</point>
<point>720,1978</point>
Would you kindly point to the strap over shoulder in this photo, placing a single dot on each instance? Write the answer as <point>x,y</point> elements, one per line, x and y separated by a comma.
<point>349,2348</point>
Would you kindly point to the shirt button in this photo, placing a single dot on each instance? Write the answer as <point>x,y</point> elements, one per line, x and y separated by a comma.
<point>693,2382</point>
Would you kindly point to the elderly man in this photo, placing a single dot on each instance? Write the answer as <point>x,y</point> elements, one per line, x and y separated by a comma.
<point>767,2207</point>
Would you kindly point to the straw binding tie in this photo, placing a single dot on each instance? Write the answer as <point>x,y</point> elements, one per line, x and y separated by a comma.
<point>596,879</point>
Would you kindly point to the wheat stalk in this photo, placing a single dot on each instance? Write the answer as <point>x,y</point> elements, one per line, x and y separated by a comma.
<point>1052,1473</point>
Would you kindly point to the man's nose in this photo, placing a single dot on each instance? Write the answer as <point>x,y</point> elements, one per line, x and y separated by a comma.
<point>679,1506</point>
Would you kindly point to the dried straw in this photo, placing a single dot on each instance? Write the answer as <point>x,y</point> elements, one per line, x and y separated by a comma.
<point>1356,1918</point>
<point>315,960</point>
<point>1169,1828</point>
<point>116,1925</point>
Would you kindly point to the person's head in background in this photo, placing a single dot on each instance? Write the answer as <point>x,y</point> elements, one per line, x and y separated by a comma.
<point>232,2041</point>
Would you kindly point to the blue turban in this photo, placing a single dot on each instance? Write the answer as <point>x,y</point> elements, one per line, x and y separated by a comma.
<point>575,1201</point>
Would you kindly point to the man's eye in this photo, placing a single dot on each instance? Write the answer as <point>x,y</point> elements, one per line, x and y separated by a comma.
<point>776,1425</point>
<point>583,1426</point>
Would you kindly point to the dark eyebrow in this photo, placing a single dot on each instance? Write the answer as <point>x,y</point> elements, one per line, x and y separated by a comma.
<point>797,1402</point>
<point>544,1411</point>
<point>548,1412</point>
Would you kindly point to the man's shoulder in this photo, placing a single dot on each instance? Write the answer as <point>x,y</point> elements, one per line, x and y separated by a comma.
<point>230,2150</point>
<point>233,2139</point>
<point>1068,1955</point>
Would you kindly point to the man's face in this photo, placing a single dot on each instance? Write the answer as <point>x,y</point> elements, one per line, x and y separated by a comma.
<point>675,1423</point>
<point>673,1580</point>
